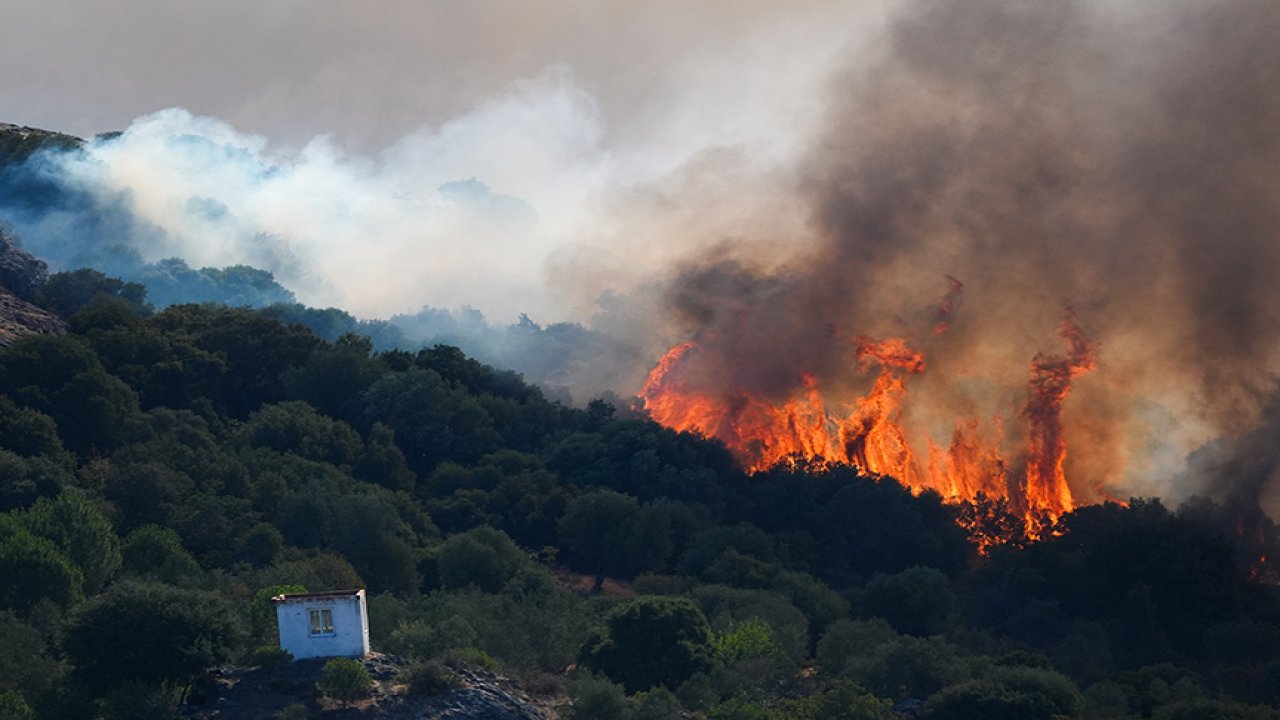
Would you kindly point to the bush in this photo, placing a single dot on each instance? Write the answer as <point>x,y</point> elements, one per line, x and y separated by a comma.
<point>271,657</point>
<point>751,639</point>
<point>345,679</point>
<point>651,641</point>
<point>13,707</point>
<point>430,678</point>
<point>595,698</point>
<point>414,640</point>
<point>469,657</point>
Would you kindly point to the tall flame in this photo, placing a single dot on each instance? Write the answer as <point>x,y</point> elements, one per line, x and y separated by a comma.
<point>869,433</point>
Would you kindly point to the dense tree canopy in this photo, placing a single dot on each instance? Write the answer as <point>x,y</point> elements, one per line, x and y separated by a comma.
<point>160,472</point>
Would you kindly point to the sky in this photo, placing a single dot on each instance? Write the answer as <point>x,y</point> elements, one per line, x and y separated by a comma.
<point>581,110</point>
<point>770,178</point>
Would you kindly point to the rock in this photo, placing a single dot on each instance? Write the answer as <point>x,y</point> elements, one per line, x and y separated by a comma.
<point>20,276</point>
<point>256,694</point>
<point>20,273</point>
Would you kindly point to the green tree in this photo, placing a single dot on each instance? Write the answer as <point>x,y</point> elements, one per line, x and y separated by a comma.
<point>847,640</point>
<point>156,553</point>
<point>295,427</point>
<point>67,292</point>
<point>25,662</point>
<point>383,463</point>
<point>76,526</point>
<point>62,377</point>
<point>28,432</point>
<point>153,634</point>
<point>34,569</point>
<point>483,557</point>
<point>917,601</point>
<point>333,378</point>
<point>751,639</point>
<point>261,545</point>
<point>24,480</point>
<point>651,641</point>
<point>611,534</point>
<point>433,419</point>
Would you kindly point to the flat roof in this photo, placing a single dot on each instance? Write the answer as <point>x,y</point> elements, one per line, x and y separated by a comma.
<point>327,595</point>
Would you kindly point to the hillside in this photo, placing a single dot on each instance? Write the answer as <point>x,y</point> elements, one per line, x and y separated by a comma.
<point>20,276</point>
<point>164,474</point>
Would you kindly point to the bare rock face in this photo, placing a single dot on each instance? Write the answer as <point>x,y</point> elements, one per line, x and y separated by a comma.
<point>259,694</point>
<point>19,317</point>
<point>20,276</point>
<point>20,273</point>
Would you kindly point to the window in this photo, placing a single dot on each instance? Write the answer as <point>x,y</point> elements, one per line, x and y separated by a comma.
<point>321,621</point>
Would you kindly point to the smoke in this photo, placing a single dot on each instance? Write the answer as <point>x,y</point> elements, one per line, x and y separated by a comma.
<point>1118,160</point>
<point>776,183</point>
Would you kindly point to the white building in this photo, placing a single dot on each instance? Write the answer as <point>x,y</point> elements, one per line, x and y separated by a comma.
<point>323,624</point>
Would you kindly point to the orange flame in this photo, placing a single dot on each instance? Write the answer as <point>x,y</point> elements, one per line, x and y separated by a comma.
<point>1051,378</point>
<point>971,469</point>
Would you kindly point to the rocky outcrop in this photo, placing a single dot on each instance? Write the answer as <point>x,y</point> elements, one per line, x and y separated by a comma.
<point>20,273</point>
<point>258,694</point>
<point>18,142</point>
<point>20,276</point>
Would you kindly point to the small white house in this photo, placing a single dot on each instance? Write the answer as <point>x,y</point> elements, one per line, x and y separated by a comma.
<point>323,624</point>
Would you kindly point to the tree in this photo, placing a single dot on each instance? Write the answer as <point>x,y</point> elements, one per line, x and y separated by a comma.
<point>28,479</point>
<point>80,529</point>
<point>154,634</point>
<point>28,432</point>
<point>611,534</point>
<point>295,427</point>
<point>156,553</point>
<point>62,377</point>
<point>34,569</point>
<point>67,292</point>
<point>433,420</point>
<point>483,557</point>
<point>916,601</point>
<point>652,641</point>
<point>25,663</point>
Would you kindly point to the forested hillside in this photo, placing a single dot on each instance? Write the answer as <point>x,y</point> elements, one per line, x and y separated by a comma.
<point>162,475</point>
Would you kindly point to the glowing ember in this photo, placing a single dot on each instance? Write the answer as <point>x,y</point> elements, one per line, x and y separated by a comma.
<point>869,432</point>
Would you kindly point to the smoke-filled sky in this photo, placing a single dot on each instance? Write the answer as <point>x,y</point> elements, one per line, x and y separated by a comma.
<point>773,178</point>
<point>562,109</point>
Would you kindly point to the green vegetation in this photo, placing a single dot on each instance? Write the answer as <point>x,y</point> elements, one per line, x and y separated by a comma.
<point>163,475</point>
<point>345,679</point>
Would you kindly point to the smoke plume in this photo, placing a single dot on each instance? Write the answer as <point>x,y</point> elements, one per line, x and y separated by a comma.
<point>1121,161</point>
<point>784,188</point>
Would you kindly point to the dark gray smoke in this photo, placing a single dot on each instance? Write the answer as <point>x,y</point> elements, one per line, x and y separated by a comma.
<point>1120,160</point>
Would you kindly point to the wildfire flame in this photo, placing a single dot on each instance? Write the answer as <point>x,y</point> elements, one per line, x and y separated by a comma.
<point>871,436</point>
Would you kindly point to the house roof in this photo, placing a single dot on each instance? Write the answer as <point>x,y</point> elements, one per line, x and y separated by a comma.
<point>307,597</point>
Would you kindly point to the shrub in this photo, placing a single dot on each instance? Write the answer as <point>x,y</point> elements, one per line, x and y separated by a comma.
<point>430,678</point>
<point>751,639</point>
<point>271,657</point>
<point>469,657</point>
<point>13,707</point>
<point>345,679</point>
<point>596,698</point>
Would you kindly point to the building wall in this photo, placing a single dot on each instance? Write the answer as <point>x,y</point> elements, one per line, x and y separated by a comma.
<point>350,637</point>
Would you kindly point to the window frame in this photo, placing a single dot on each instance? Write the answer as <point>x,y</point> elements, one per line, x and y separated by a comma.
<point>320,622</point>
